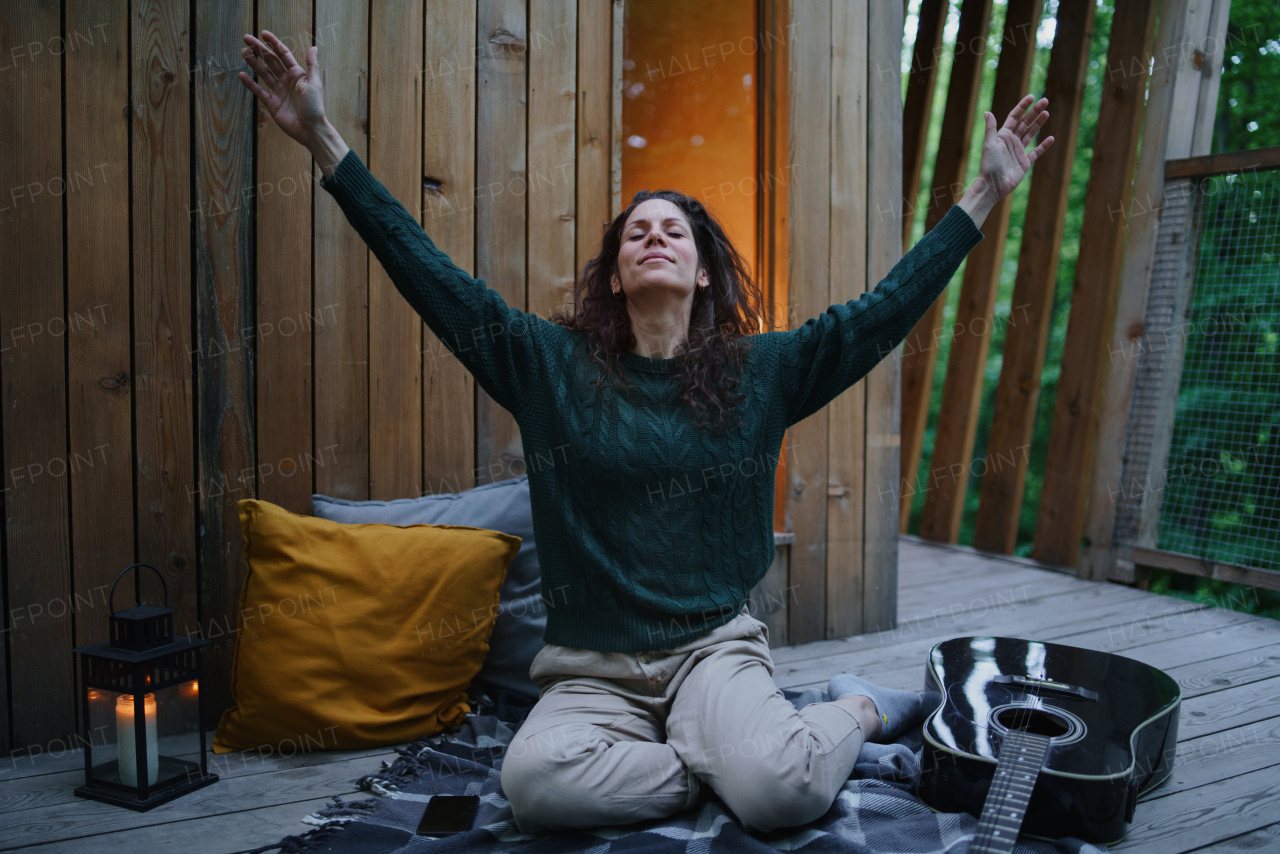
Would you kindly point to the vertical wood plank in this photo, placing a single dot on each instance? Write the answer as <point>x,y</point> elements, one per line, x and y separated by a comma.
<point>948,185</point>
<point>1211,78</point>
<point>448,196</point>
<point>883,385</point>
<point>99,403</point>
<point>34,391</point>
<point>809,239</point>
<point>966,365</point>
<point>919,105</point>
<point>1018,390</point>
<point>553,37</point>
<point>1168,127</point>
<point>285,316</point>
<point>594,121</point>
<point>341,260</point>
<point>1073,436</point>
<point>502,175</point>
<point>395,330</point>
<point>163,353</point>
<point>846,416</point>
<point>225,329</point>
<point>773,70</point>
<point>615,133</point>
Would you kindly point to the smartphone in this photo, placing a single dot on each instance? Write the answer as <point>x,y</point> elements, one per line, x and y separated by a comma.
<point>448,814</point>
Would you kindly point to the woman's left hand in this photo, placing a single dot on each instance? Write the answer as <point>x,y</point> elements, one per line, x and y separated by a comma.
<point>1005,158</point>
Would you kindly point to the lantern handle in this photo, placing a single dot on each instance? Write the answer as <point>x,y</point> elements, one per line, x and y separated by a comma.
<point>111,599</point>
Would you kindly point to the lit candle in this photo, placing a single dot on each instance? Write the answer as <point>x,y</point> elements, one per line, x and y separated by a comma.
<point>127,745</point>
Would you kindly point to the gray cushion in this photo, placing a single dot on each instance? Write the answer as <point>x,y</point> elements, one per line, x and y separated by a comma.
<point>500,506</point>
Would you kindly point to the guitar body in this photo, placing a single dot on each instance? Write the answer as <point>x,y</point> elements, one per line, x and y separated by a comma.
<point>1110,724</point>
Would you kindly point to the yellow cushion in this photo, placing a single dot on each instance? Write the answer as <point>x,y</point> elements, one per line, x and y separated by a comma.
<point>357,635</point>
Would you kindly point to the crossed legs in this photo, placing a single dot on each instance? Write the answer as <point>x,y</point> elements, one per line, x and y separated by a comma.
<point>599,751</point>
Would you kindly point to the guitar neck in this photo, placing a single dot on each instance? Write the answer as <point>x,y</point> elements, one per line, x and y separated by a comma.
<point>1021,758</point>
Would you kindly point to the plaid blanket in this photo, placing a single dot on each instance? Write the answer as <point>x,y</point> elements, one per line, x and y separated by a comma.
<point>875,811</point>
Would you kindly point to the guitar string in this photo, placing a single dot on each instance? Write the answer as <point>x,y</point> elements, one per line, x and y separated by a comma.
<point>999,790</point>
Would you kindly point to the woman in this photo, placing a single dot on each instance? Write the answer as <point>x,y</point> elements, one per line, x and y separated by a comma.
<point>655,519</point>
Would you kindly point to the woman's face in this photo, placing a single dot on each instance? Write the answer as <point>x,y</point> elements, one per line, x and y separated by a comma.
<point>658,253</point>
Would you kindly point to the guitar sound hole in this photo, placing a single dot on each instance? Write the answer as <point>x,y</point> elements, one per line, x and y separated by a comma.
<point>1034,721</point>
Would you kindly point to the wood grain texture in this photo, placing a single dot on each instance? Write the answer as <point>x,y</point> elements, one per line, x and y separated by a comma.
<point>920,347</point>
<point>773,69</point>
<point>225,328</point>
<point>594,121</point>
<point>448,216</point>
<point>1031,306</point>
<point>285,308</point>
<point>846,415</point>
<point>41,686</point>
<point>957,424</point>
<point>921,82</point>
<point>553,38</point>
<point>395,330</point>
<point>341,264</point>
<point>99,368</point>
<point>502,174</point>
<point>1077,407</point>
<point>809,240</point>
<point>1167,132</point>
<point>884,249</point>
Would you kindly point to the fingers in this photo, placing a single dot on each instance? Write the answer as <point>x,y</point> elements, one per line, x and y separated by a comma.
<point>254,62</point>
<point>281,49</point>
<point>261,94</point>
<point>265,56</point>
<point>1040,149</point>
<point>1014,120</point>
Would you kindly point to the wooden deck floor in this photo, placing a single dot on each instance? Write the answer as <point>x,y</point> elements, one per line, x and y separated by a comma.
<point>1224,795</point>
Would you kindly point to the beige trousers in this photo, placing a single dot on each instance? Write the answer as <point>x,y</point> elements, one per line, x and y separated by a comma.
<point>617,738</point>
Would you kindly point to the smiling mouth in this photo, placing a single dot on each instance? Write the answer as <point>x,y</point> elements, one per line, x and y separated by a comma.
<point>655,258</point>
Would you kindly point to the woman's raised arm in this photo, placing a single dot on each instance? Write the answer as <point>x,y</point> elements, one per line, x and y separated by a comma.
<point>511,353</point>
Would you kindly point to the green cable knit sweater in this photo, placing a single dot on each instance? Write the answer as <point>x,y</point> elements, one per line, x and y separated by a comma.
<point>650,532</point>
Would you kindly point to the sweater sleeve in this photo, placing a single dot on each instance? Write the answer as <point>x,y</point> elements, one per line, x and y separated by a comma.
<point>504,348</point>
<point>829,353</point>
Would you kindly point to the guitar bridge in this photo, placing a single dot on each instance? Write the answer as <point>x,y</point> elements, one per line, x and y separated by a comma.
<point>1047,685</point>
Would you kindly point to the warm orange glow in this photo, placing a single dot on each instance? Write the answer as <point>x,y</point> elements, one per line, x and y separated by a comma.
<point>191,688</point>
<point>689,108</point>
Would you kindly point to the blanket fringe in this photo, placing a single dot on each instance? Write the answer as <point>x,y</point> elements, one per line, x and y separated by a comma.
<point>300,843</point>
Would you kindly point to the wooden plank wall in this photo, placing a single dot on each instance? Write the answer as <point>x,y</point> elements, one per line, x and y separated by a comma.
<point>846,161</point>
<point>220,331</point>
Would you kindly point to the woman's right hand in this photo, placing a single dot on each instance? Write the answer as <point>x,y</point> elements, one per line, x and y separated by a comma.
<point>294,98</point>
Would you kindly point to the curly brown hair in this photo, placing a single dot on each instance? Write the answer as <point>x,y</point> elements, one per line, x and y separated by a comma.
<point>730,308</point>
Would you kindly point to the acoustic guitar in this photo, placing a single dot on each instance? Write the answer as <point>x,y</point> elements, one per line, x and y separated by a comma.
<point>1044,739</point>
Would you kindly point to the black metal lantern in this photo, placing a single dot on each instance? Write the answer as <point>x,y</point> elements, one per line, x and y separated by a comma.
<point>143,721</point>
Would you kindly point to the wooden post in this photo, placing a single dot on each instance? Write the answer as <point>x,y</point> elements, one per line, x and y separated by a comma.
<point>226,335</point>
<point>919,105</point>
<point>284,310</point>
<point>1077,408</point>
<point>884,249</point>
<point>448,196</point>
<point>966,365</point>
<point>846,415</point>
<point>808,272</point>
<point>920,348</point>
<point>1013,420</point>
<point>1169,131</point>
<point>341,261</point>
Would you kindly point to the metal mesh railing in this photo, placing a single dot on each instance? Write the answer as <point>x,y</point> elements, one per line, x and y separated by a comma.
<point>1202,461</point>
